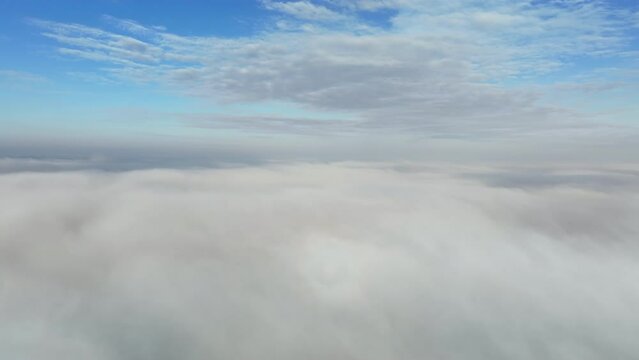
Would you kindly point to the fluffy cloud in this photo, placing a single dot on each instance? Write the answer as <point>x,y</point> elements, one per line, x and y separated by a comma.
<point>340,261</point>
<point>437,69</point>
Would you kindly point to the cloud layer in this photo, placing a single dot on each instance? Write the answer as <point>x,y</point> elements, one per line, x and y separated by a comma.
<point>338,261</point>
<point>437,67</point>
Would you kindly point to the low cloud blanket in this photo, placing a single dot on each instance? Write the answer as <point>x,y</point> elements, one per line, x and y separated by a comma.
<point>320,261</point>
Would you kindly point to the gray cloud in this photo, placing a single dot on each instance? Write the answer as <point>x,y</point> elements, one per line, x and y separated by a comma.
<point>12,165</point>
<point>532,178</point>
<point>271,124</point>
<point>339,261</point>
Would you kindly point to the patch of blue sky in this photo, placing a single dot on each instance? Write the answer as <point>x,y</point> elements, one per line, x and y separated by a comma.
<point>381,18</point>
<point>190,17</point>
<point>87,106</point>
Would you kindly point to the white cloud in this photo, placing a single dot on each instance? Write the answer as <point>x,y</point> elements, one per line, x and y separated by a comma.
<point>320,261</point>
<point>305,10</point>
<point>436,70</point>
<point>371,5</point>
<point>100,45</point>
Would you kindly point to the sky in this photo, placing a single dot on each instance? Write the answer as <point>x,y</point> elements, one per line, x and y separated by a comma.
<point>326,79</point>
<point>319,179</point>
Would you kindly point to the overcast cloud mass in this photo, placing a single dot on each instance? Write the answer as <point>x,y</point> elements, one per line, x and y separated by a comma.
<point>341,261</point>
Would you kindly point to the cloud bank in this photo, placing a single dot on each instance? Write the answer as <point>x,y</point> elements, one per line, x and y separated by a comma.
<point>335,261</point>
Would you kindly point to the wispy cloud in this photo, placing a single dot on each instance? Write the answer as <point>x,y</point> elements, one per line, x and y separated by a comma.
<point>440,65</point>
<point>17,76</point>
<point>272,124</point>
<point>21,80</point>
<point>305,10</point>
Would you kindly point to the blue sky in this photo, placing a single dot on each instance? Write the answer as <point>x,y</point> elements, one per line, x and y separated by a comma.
<point>319,179</point>
<point>309,72</point>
